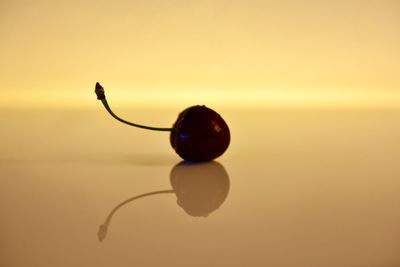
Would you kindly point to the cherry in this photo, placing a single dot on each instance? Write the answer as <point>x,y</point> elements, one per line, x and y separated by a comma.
<point>199,133</point>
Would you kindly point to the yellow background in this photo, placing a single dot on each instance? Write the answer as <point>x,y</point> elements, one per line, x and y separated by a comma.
<point>225,53</point>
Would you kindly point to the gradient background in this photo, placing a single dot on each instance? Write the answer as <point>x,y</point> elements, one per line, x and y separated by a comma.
<point>224,53</point>
<point>309,89</point>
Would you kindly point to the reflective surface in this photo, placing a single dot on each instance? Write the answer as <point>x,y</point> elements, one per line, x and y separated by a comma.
<point>295,188</point>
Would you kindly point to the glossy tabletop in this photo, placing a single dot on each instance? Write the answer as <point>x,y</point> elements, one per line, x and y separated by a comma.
<point>295,188</point>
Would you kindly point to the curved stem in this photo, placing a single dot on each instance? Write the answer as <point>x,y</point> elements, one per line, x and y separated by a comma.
<point>101,96</point>
<point>102,233</point>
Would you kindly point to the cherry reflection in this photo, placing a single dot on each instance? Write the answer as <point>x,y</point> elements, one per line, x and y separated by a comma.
<point>200,188</point>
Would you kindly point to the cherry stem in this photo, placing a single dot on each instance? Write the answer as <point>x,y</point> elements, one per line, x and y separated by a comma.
<point>101,96</point>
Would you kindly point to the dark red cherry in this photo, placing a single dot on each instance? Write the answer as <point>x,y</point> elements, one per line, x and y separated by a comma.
<point>200,134</point>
